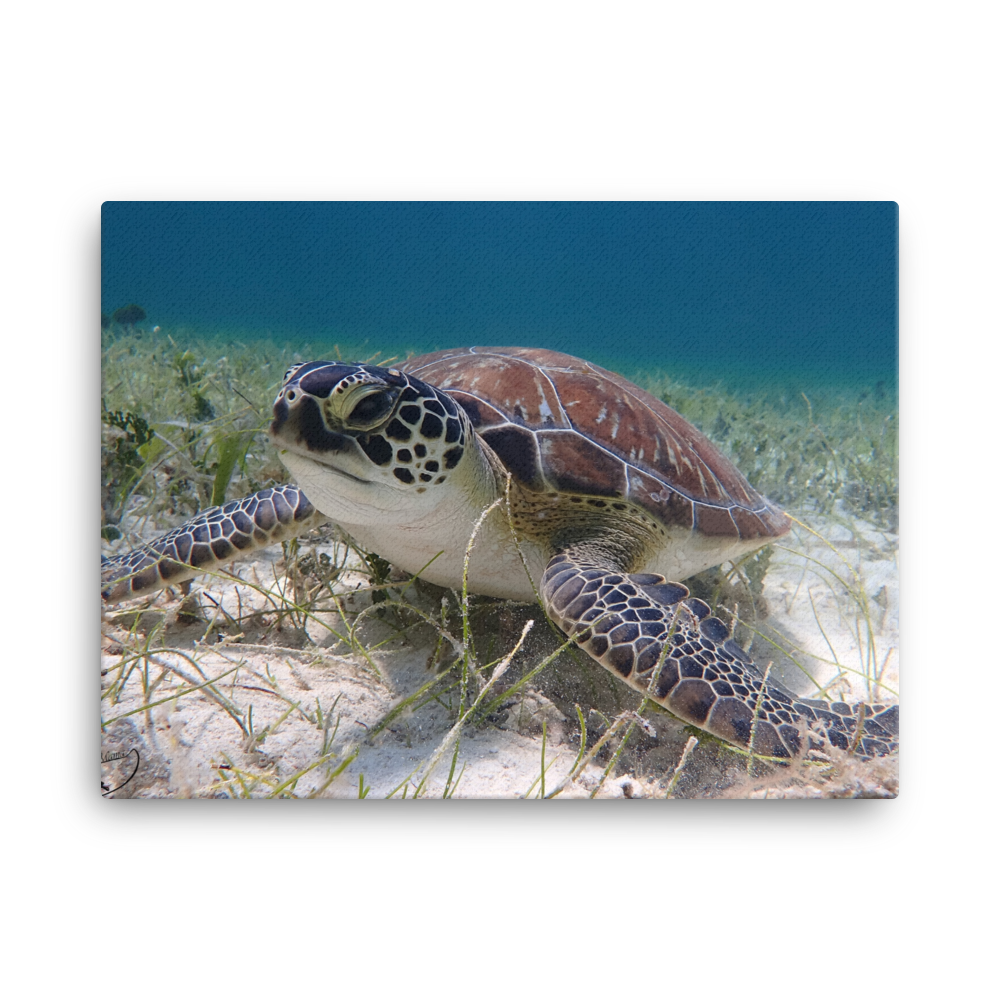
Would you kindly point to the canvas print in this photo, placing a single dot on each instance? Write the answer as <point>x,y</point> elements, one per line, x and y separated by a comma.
<point>499,500</point>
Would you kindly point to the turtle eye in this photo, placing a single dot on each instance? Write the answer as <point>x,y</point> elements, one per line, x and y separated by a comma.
<point>371,410</point>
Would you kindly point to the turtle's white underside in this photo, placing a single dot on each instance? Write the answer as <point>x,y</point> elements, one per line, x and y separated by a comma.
<point>431,538</point>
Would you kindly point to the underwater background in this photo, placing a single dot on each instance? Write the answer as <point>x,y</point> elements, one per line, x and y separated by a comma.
<point>755,296</point>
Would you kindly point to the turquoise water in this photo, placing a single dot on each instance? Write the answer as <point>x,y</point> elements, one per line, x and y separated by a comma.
<point>755,296</point>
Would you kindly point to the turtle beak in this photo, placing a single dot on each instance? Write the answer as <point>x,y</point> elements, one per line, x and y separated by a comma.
<point>279,419</point>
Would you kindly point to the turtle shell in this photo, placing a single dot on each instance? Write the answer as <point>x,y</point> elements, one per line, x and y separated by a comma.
<point>562,424</point>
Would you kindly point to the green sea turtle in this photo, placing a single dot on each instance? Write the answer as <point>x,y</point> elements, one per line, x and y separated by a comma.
<point>606,496</point>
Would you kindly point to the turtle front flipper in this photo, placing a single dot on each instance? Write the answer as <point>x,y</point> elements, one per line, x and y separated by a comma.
<point>213,538</point>
<point>666,644</point>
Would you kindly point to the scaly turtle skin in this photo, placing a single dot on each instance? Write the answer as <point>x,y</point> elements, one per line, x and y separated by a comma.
<point>608,494</point>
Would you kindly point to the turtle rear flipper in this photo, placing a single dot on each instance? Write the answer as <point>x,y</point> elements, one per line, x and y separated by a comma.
<point>214,537</point>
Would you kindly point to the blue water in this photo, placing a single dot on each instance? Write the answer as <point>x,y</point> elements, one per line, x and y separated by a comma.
<point>740,293</point>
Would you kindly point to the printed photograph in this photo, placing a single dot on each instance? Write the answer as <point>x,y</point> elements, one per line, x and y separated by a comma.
<point>510,500</point>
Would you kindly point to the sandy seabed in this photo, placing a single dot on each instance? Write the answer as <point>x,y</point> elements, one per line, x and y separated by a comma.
<point>310,706</point>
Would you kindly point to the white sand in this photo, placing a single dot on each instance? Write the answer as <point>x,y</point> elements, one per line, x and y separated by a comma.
<point>191,747</point>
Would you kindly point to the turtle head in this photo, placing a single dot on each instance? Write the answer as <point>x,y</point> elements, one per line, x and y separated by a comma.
<point>357,435</point>
<point>342,398</point>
